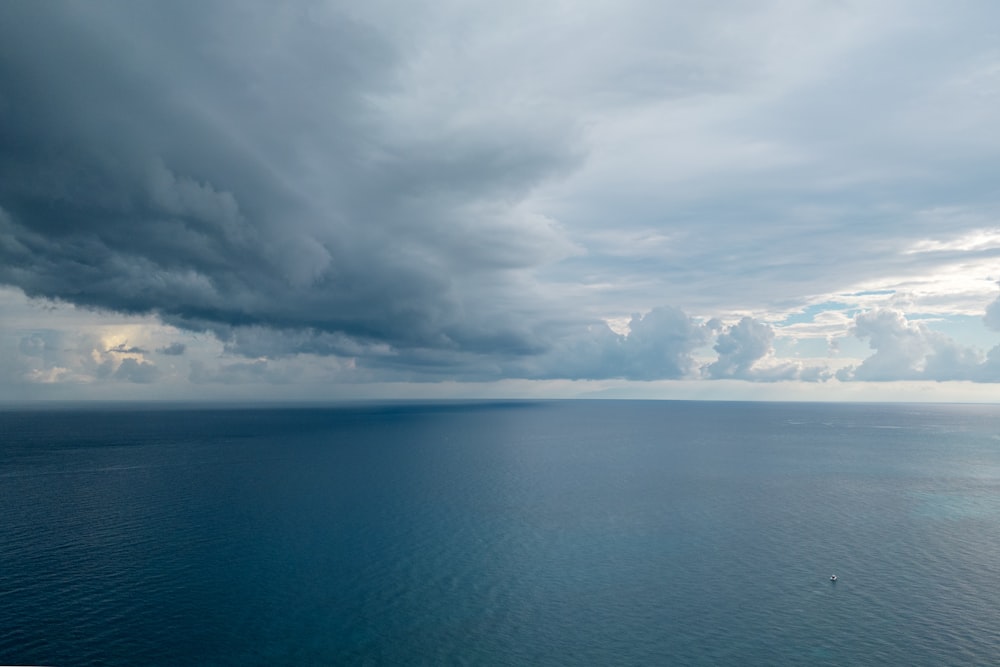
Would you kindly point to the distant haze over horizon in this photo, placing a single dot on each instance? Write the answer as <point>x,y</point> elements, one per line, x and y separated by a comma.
<point>327,201</point>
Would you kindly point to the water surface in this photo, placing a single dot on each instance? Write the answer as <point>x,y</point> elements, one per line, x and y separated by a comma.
<point>567,532</point>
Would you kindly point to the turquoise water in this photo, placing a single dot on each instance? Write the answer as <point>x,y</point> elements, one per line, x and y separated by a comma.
<point>570,532</point>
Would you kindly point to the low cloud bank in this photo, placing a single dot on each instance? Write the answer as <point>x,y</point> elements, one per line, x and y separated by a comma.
<point>911,350</point>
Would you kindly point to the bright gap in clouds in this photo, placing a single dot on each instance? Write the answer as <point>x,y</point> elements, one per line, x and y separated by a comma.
<point>332,200</point>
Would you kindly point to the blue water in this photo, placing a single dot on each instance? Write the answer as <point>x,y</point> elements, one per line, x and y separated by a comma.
<point>571,532</point>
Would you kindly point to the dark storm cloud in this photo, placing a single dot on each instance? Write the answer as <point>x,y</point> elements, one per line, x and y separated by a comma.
<point>226,165</point>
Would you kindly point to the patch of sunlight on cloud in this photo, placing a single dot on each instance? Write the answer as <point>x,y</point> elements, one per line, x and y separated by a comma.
<point>620,325</point>
<point>979,239</point>
<point>823,325</point>
<point>954,289</point>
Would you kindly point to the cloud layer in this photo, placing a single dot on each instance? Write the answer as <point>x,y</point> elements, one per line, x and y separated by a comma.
<point>220,183</point>
<point>637,191</point>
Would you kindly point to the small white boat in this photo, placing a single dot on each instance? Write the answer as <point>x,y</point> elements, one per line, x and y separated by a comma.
<point>833,577</point>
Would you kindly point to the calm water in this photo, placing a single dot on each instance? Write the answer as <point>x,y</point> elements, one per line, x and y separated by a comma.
<point>572,532</point>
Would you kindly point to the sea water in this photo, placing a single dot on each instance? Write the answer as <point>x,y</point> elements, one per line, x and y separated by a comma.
<point>535,533</point>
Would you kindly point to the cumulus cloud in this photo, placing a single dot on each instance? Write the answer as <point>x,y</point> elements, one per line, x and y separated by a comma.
<point>43,357</point>
<point>746,352</point>
<point>911,350</point>
<point>740,346</point>
<point>54,356</point>
<point>659,345</point>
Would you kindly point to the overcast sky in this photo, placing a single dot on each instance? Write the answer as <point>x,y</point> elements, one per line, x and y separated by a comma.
<point>329,200</point>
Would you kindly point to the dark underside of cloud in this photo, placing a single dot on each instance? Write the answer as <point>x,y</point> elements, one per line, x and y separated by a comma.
<point>195,181</point>
<point>152,161</point>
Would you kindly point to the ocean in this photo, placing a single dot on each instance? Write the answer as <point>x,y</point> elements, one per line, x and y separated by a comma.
<point>501,533</point>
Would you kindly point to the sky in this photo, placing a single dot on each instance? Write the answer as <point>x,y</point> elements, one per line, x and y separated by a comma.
<point>788,200</point>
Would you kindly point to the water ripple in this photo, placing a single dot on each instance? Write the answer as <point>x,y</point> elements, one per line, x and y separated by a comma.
<point>563,533</point>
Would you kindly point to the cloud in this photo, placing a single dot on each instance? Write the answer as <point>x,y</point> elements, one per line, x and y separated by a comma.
<point>739,347</point>
<point>992,316</point>
<point>43,357</point>
<point>910,350</point>
<point>746,352</point>
<point>132,370</point>
<point>271,179</point>
<point>467,191</point>
<point>174,349</point>
<point>659,345</point>
<point>239,372</point>
<point>123,348</point>
<point>50,356</point>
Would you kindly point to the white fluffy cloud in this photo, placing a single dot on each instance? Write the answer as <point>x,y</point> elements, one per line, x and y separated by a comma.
<point>746,352</point>
<point>911,350</point>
